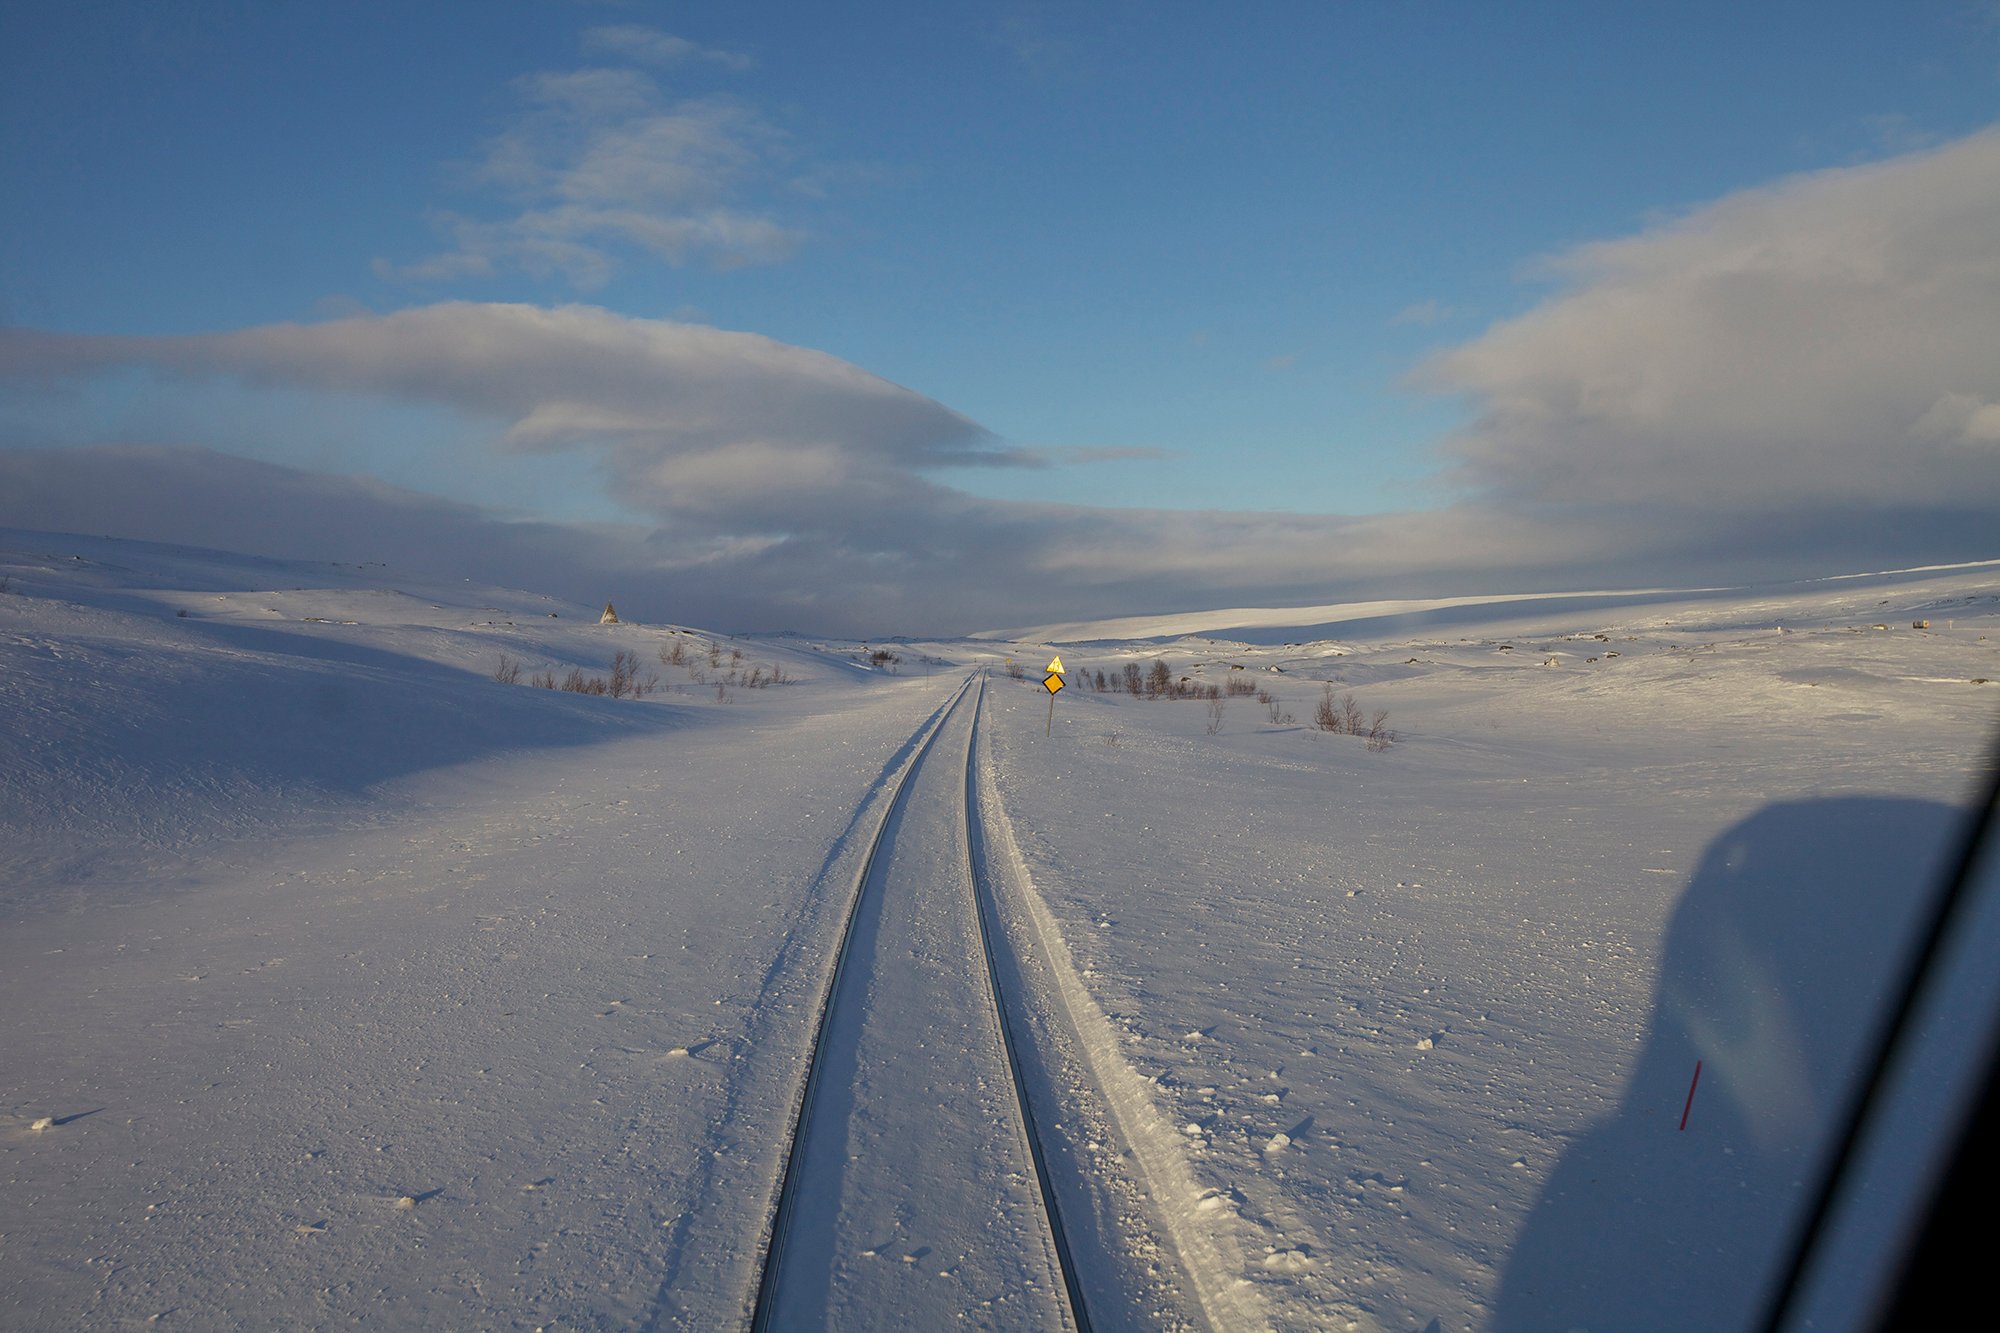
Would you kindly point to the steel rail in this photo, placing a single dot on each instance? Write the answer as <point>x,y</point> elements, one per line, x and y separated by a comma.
<point>765,1300</point>
<point>982,906</point>
<point>763,1312</point>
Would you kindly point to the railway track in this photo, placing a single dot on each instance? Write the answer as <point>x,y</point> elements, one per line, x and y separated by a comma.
<point>915,1191</point>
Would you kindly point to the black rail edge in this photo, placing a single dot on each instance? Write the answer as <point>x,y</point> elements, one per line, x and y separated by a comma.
<point>982,905</point>
<point>763,1307</point>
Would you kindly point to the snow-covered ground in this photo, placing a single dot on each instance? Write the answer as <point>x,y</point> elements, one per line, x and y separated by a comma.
<point>353,983</point>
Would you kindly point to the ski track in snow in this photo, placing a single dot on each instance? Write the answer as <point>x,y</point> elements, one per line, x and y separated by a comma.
<point>340,982</point>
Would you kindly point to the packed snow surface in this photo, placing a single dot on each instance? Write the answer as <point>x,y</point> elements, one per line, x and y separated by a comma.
<point>341,981</point>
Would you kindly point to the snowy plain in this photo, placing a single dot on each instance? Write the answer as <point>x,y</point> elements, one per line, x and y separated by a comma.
<point>347,983</point>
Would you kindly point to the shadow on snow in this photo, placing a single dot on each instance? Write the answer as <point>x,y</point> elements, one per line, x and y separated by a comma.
<point>1776,966</point>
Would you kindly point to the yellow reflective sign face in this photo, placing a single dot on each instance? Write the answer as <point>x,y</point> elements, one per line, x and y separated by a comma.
<point>1056,666</point>
<point>1052,682</point>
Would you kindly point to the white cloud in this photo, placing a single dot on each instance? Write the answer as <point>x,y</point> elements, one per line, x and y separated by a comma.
<point>687,423</point>
<point>1781,348</point>
<point>1424,313</point>
<point>565,377</point>
<point>1961,418</point>
<point>650,46</point>
<point>1794,380</point>
<point>1077,454</point>
<point>600,166</point>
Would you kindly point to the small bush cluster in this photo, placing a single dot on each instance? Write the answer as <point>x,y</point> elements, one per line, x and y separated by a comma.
<point>1156,682</point>
<point>1343,716</point>
<point>624,682</point>
<point>722,675</point>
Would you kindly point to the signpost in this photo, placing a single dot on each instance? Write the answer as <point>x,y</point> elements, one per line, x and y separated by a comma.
<point>1053,682</point>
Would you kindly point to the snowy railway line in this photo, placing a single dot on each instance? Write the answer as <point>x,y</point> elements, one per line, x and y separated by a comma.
<point>343,982</point>
<point>830,1194</point>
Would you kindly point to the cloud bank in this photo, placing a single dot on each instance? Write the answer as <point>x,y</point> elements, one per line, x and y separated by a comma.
<point>1793,380</point>
<point>1832,339</point>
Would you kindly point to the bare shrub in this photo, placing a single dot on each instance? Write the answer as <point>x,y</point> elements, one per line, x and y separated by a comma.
<point>674,656</point>
<point>1134,679</point>
<point>1159,679</point>
<point>1098,681</point>
<point>1015,671</point>
<point>1343,716</point>
<point>1239,686</point>
<point>885,659</point>
<point>1326,713</point>
<point>543,680</point>
<point>626,680</point>
<point>624,666</point>
<point>508,672</point>
<point>714,654</point>
<point>778,676</point>
<point>721,693</point>
<point>1216,704</point>
<point>578,683</point>
<point>7,585</point>
<point>1272,708</point>
<point>1379,736</point>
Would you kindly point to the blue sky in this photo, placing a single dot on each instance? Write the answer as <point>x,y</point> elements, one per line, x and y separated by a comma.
<point>1191,256</point>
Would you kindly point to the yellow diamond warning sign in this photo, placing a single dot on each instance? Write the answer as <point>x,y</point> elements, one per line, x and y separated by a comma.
<point>1052,682</point>
<point>1056,666</point>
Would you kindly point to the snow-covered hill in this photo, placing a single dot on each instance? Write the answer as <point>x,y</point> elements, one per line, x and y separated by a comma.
<point>352,983</point>
<point>161,697</point>
<point>1542,612</point>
